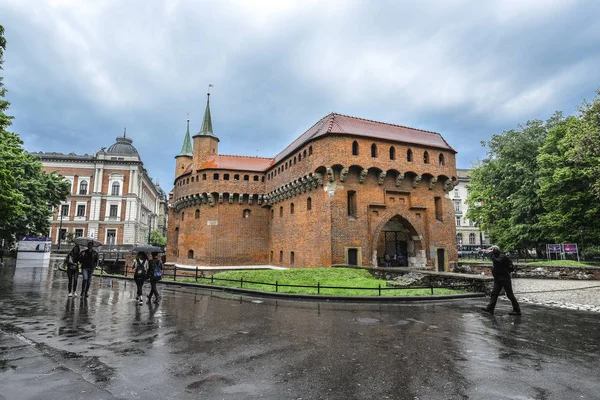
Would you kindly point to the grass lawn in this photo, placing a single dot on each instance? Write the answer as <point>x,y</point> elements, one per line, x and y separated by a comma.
<point>485,261</point>
<point>560,263</point>
<point>345,277</point>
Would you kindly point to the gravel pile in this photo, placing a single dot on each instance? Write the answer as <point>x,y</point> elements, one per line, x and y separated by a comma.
<point>571,294</point>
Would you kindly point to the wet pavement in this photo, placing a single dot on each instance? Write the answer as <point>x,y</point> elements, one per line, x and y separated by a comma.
<point>199,344</point>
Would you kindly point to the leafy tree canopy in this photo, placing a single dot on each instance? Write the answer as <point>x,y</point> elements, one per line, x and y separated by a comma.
<point>157,239</point>
<point>27,193</point>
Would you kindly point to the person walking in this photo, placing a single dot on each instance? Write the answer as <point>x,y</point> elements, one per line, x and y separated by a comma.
<point>89,260</point>
<point>140,266</point>
<point>502,267</point>
<point>155,267</point>
<point>72,262</point>
<point>387,259</point>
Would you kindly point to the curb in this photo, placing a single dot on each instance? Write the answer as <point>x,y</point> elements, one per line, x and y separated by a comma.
<point>314,297</point>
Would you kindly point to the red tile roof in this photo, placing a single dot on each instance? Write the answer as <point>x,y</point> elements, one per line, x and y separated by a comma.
<point>330,124</point>
<point>344,124</point>
<point>241,163</point>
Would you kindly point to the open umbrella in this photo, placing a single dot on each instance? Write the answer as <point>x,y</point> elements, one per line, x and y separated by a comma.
<point>83,241</point>
<point>147,249</point>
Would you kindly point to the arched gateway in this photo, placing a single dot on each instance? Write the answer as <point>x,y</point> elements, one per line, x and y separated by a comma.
<point>401,241</point>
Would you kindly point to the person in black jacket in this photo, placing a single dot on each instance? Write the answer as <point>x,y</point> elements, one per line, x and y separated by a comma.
<point>88,259</point>
<point>72,262</point>
<point>502,267</point>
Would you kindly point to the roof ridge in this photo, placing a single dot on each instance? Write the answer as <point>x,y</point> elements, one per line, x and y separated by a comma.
<point>386,123</point>
<point>236,155</point>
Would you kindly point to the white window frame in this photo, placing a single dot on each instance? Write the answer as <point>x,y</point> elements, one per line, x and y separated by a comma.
<point>106,235</point>
<point>60,213</point>
<point>77,204</point>
<point>118,178</point>
<point>87,180</point>
<point>107,216</point>
<point>82,232</point>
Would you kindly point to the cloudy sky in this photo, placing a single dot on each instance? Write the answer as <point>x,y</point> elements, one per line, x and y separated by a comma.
<point>79,71</point>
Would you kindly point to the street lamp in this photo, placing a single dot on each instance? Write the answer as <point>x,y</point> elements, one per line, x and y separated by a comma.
<point>149,226</point>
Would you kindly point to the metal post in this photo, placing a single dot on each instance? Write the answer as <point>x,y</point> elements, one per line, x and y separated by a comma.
<point>582,254</point>
<point>175,272</point>
<point>242,282</point>
<point>60,226</point>
<point>276,286</point>
<point>196,273</point>
<point>318,287</point>
<point>379,289</point>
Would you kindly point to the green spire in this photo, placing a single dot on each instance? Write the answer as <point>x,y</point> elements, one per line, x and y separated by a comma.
<point>207,129</point>
<point>187,149</point>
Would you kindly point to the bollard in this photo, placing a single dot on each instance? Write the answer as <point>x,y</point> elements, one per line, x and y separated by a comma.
<point>379,289</point>
<point>276,286</point>
<point>431,288</point>
<point>212,279</point>
<point>318,287</point>
<point>242,282</point>
<point>174,273</point>
<point>196,274</point>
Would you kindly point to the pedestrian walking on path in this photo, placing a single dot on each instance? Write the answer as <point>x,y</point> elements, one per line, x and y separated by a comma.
<point>89,261</point>
<point>140,266</point>
<point>502,267</point>
<point>72,262</point>
<point>155,267</point>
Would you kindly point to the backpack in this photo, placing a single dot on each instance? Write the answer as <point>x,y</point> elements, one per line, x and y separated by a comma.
<point>157,270</point>
<point>140,271</point>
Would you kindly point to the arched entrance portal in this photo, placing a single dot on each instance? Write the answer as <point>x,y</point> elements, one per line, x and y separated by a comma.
<point>401,242</point>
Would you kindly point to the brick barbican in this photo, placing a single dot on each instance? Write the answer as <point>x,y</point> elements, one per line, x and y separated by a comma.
<point>347,191</point>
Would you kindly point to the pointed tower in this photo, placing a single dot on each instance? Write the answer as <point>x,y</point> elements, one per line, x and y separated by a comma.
<point>206,143</point>
<point>185,157</point>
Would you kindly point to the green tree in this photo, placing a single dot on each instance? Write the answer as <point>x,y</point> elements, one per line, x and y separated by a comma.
<point>503,191</point>
<point>571,206</point>
<point>587,142</point>
<point>157,239</point>
<point>27,193</point>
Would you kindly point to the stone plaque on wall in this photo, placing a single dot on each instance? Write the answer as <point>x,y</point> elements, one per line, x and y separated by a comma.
<point>212,222</point>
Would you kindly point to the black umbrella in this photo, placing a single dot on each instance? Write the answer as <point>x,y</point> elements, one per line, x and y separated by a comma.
<point>147,249</point>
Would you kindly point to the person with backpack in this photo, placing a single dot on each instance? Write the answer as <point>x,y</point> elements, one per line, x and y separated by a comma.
<point>501,270</point>
<point>72,263</point>
<point>155,267</point>
<point>140,266</point>
<point>89,260</point>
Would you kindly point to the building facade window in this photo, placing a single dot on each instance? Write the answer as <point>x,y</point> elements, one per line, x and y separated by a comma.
<point>78,232</point>
<point>291,258</point>
<point>111,236</point>
<point>392,153</point>
<point>190,253</point>
<point>203,177</point>
<point>280,256</point>
<point>281,211</point>
<point>292,208</point>
<point>83,187</point>
<point>456,205</point>
<point>355,148</point>
<point>182,215</point>
<point>246,177</point>
<point>409,155</point>
<point>81,210</point>
<point>310,150</point>
<point>113,211</point>
<point>374,150</point>
<point>272,213</point>
<point>255,178</point>
<point>236,177</point>
<point>246,214</point>
<point>309,204</point>
<point>116,188</point>
<point>441,160</point>
<point>216,177</point>
<point>457,221</point>
<point>426,158</point>
<point>352,203</point>
<point>459,238</point>
<point>225,177</point>
<point>64,210</point>
<point>197,214</point>
<point>471,238</point>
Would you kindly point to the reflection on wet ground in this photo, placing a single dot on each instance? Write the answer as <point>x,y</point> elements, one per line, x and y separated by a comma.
<point>211,345</point>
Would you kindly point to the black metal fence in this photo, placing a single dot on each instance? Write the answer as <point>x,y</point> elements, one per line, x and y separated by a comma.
<point>195,275</point>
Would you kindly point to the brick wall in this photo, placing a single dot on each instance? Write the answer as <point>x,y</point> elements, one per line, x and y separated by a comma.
<point>321,236</point>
